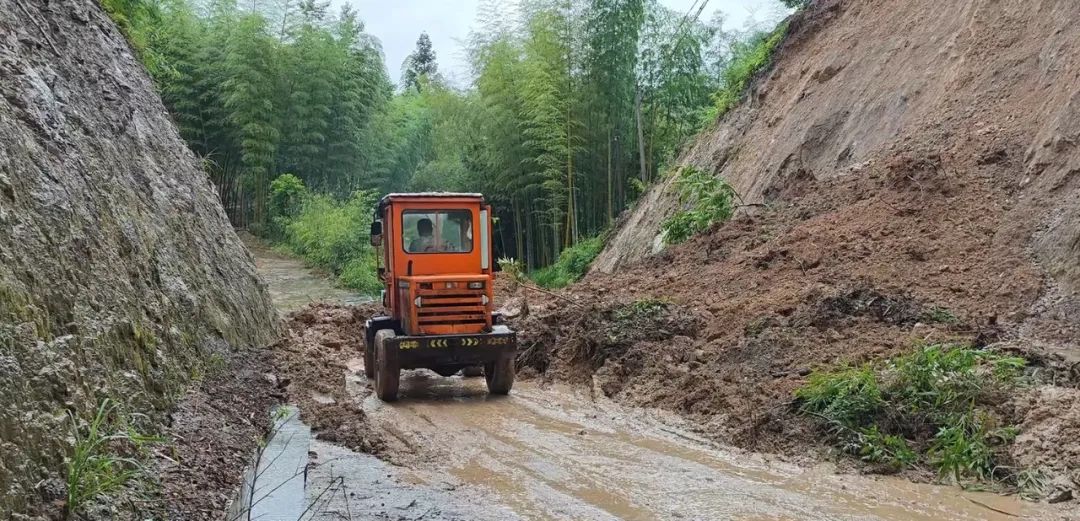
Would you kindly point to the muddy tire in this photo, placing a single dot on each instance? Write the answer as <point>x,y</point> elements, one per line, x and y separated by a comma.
<point>472,371</point>
<point>387,368</point>
<point>369,357</point>
<point>500,375</point>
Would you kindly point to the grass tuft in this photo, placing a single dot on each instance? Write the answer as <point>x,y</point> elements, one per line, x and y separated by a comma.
<point>94,469</point>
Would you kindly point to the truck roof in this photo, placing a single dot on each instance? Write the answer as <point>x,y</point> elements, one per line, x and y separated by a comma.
<point>403,195</point>
<point>424,195</point>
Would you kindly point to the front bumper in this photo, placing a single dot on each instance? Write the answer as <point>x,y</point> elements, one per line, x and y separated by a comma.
<point>416,352</point>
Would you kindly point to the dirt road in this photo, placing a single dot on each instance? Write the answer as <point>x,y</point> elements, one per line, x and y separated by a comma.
<point>292,286</point>
<point>557,453</point>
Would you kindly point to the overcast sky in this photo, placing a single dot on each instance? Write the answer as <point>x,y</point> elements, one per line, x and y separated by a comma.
<point>397,24</point>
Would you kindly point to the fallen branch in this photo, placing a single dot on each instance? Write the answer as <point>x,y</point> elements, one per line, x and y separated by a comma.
<point>988,507</point>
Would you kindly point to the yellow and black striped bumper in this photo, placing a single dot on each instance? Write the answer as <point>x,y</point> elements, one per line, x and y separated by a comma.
<point>427,351</point>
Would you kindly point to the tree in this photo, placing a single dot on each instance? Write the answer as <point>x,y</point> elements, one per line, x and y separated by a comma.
<point>420,64</point>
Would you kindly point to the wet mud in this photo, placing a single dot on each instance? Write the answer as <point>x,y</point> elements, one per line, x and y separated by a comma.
<point>448,450</point>
<point>557,453</point>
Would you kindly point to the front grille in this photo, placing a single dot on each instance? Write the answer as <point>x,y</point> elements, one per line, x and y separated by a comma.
<point>459,307</point>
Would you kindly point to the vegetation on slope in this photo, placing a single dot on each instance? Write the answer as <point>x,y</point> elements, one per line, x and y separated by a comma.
<point>573,263</point>
<point>706,200</point>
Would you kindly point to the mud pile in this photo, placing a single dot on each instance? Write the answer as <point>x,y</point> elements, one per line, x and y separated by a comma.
<point>213,433</point>
<point>919,169</point>
<point>324,343</point>
<point>119,273</point>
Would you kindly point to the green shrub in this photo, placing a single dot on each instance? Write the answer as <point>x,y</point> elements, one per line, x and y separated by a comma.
<point>287,197</point>
<point>334,235</point>
<point>360,273</point>
<point>572,264</point>
<point>873,446</point>
<point>748,58</point>
<point>708,200</point>
<point>847,396</point>
<point>939,399</point>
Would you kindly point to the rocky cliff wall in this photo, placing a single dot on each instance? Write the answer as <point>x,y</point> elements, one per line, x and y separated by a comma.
<point>119,272</point>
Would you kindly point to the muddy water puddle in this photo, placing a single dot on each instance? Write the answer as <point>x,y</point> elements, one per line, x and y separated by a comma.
<point>551,453</point>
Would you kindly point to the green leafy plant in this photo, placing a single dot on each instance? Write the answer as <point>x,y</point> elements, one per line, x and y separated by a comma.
<point>512,268</point>
<point>873,446</point>
<point>573,263</point>
<point>707,200</point>
<point>848,396</point>
<point>960,450</point>
<point>646,307</point>
<point>93,469</point>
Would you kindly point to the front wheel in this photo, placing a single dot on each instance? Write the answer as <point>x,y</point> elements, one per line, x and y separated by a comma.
<point>500,374</point>
<point>387,367</point>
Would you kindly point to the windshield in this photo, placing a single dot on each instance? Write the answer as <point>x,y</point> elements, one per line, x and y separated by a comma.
<point>437,231</point>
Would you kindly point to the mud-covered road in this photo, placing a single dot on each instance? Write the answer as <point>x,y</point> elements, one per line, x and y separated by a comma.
<point>557,453</point>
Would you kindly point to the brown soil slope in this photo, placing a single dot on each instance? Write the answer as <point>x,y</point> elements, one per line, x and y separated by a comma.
<point>991,88</point>
<point>914,157</point>
<point>119,272</point>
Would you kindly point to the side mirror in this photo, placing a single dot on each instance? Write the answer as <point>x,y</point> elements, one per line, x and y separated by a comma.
<point>376,233</point>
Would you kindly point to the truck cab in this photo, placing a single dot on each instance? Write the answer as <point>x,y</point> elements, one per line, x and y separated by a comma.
<point>438,268</point>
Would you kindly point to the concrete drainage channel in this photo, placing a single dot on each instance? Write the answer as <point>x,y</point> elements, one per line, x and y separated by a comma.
<point>296,477</point>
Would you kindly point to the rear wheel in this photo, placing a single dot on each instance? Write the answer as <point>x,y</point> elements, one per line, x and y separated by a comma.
<point>369,356</point>
<point>387,367</point>
<point>500,374</point>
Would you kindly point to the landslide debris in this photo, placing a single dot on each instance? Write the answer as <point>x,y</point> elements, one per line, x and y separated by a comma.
<point>120,276</point>
<point>912,170</point>
<point>324,344</point>
<point>213,433</point>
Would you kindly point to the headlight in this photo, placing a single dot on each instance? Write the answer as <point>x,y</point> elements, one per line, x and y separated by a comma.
<point>476,285</point>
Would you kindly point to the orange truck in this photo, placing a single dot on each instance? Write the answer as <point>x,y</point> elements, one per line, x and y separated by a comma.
<point>438,267</point>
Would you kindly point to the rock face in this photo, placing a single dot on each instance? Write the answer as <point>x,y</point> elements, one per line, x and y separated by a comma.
<point>119,272</point>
